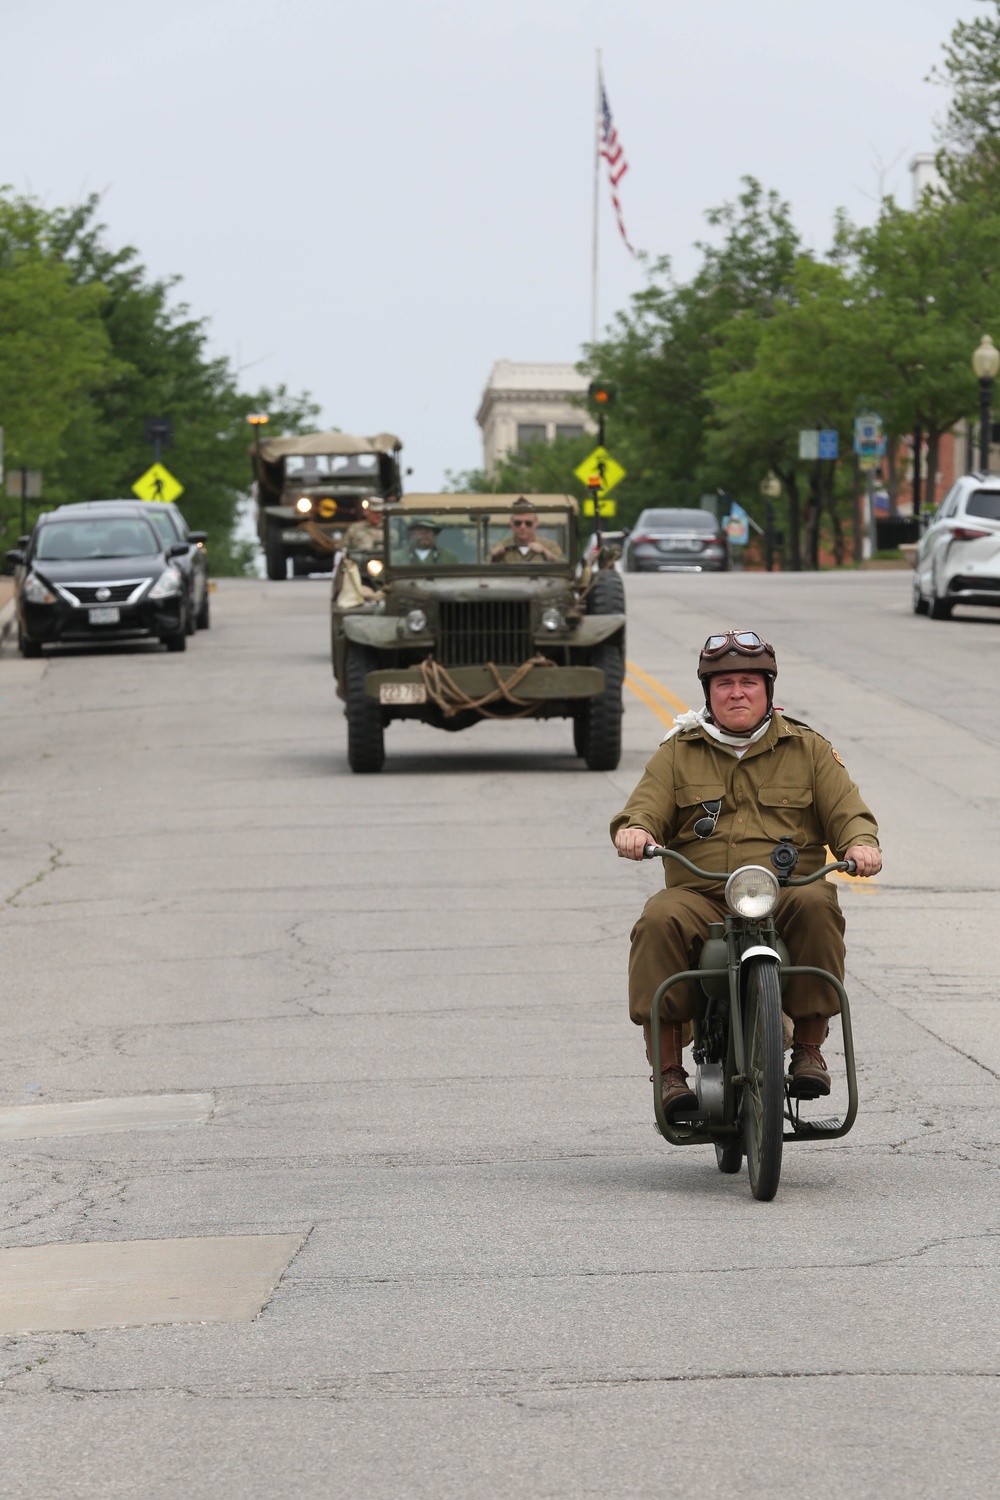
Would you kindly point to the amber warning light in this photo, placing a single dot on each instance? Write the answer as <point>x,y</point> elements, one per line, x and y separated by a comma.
<point>258,418</point>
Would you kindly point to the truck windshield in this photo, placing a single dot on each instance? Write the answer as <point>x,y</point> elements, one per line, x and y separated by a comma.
<point>332,466</point>
<point>467,538</point>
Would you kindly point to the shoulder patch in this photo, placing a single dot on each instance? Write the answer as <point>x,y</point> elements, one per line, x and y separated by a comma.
<point>837,757</point>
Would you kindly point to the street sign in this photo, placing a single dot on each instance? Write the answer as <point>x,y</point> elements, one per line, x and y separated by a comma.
<point>158,484</point>
<point>599,466</point>
<point>606,508</point>
<point>808,443</point>
<point>24,484</point>
<point>819,442</point>
<point>159,432</point>
<point>829,445</point>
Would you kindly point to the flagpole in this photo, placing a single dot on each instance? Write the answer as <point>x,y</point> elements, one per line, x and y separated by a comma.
<point>597,170</point>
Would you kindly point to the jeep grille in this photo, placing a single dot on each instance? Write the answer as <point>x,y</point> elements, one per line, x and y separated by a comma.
<point>497,630</point>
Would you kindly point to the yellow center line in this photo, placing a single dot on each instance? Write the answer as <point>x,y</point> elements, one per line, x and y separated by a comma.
<point>636,676</point>
<point>677,704</point>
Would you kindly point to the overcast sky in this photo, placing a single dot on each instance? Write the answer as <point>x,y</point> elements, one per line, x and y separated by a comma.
<point>376,200</point>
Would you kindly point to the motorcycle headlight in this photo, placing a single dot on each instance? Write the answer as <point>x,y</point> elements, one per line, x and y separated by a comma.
<point>552,619</point>
<point>752,892</point>
<point>416,621</point>
<point>37,592</point>
<point>303,505</point>
<point>167,585</point>
<point>374,567</point>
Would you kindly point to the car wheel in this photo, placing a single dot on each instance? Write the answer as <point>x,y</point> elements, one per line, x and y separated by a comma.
<point>26,645</point>
<point>919,602</point>
<point>938,609</point>
<point>205,613</point>
<point>365,731</point>
<point>274,555</point>
<point>607,594</point>
<point>601,737</point>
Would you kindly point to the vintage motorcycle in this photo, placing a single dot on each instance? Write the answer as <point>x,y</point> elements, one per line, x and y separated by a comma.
<point>739,1048</point>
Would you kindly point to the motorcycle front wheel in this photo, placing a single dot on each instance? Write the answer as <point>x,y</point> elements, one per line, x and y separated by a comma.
<point>764,1077</point>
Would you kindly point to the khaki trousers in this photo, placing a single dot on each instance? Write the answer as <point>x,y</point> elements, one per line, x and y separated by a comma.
<point>668,938</point>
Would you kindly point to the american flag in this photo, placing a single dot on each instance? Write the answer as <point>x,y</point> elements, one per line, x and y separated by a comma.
<point>614,154</point>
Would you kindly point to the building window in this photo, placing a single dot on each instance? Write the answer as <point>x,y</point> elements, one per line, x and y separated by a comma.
<point>530,433</point>
<point>569,432</point>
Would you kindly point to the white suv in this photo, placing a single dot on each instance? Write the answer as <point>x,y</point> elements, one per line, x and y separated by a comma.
<point>958,560</point>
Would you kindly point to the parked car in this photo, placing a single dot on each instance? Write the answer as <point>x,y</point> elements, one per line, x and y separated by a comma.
<point>99,572</point>
<point>677,541</point>
<point>958,558</point>
<point>172,527</point>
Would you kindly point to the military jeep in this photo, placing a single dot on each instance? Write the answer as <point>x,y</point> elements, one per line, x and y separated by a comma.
<point>470,623</point>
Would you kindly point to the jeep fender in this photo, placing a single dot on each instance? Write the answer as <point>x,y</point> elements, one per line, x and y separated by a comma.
<point>379,631</point>
<point>593,629</point>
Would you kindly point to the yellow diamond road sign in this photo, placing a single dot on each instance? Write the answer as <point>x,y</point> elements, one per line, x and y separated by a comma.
<point>601,466</point>
<point>158,484</point>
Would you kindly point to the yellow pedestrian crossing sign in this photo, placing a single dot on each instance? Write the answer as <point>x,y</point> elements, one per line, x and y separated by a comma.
<point>601,466</point>
<point>158,484</point>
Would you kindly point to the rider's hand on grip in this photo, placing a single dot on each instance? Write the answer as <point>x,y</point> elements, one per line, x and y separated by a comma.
<point>866,860</point>
<point>631,842</point>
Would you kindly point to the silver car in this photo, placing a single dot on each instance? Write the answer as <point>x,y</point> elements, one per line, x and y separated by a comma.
<point>676,541</point>
<point>958,559</point>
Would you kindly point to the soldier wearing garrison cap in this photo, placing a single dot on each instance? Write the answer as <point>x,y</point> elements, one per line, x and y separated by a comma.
<point>524,545</point>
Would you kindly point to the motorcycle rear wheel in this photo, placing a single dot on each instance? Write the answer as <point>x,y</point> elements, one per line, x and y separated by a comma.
<point>764,1072</point>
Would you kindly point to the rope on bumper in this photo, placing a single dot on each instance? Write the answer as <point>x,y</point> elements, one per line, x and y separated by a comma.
<point>443,690</point>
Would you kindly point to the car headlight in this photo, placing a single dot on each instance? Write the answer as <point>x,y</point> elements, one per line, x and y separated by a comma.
<point>416,621</point>
<point>37,592</point>
<point>303,505</point>
<point>752,892</point>
<point>374,567</point>
<point>553,619</point>
<point>167,585</point>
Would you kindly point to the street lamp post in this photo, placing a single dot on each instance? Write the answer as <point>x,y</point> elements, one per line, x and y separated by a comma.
<point>986,363</point>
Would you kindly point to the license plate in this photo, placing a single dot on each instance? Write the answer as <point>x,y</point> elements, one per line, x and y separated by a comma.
<point>680,544</point>
<point>107,616</point>
<point>402,692</point>
<point>295,536</point>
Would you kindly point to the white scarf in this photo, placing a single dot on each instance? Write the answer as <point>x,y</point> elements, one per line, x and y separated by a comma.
<point>698,717</point>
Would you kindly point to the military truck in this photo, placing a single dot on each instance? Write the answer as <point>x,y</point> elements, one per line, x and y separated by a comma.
<point>469,622</point>
<point>308,489</point>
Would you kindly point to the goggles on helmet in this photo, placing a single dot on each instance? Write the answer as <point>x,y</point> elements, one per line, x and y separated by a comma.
<point>744,642</point>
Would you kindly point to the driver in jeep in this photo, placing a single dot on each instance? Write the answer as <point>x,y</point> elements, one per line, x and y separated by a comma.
<point>727,783</point>
<point>524,545</point>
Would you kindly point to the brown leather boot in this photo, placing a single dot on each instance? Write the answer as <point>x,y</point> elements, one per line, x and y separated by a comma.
<point>809,1076</point>
<point>678,1099</point>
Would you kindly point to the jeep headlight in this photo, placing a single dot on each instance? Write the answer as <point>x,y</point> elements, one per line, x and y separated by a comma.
<point>37,592</point>
<point>303,505</point>
<point>752,892</point>
<point>553,619</point>
<point>374,567</point>
<point>168,585</point>
<point>416,621</point>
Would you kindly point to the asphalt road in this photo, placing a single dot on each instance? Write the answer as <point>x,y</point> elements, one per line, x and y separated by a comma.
<point>389,1014</point>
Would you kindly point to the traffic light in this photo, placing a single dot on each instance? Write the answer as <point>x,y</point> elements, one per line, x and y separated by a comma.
<point>602,393</point>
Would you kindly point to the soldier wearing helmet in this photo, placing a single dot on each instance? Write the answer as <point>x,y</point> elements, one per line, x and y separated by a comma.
<point>727,783</point>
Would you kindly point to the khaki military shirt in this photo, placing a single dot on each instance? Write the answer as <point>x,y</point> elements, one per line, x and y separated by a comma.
<point>541,550</point>
<point>362,536</point>
<point>791,783</point>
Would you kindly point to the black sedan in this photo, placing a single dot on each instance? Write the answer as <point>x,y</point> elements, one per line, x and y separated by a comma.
<point>677,541</point>
<point>172,527</point>
<point>99,573</point>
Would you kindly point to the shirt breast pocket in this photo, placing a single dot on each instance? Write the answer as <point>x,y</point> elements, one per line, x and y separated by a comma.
<point>690,807</point>
<point>787,812</point>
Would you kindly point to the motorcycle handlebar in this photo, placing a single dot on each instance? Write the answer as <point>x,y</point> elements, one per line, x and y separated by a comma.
<point>654,851</point>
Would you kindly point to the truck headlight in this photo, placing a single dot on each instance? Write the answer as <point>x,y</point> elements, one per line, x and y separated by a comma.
<point>752,892</point>
<point>553,619</point>
<point>168,585</point>
<point>416,621</point>
<point>37,592</point>
<point>374,567</point>
<point>303,505</point>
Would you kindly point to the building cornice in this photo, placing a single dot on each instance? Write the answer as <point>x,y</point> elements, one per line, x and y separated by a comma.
<point>519,397</point>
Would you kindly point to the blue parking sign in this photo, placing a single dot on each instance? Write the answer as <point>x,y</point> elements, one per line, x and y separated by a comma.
<point>828,445</point>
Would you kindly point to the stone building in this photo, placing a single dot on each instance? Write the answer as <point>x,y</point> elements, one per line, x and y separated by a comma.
<point>530,403</point>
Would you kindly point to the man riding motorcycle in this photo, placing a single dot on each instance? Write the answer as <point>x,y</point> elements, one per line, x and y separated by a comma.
<point>727,783</point>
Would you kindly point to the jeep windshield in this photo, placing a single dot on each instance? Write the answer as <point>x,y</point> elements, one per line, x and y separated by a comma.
<point>482,540</point>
